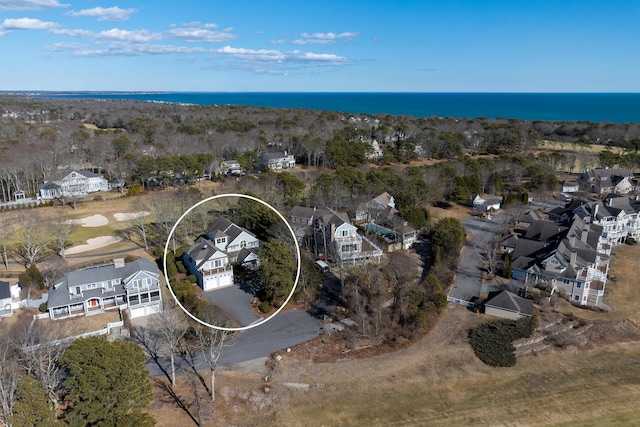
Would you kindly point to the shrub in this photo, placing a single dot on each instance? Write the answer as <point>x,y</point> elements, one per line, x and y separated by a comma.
<point>265,307</point>
<point>492,341</point>
<point>134,190</point>
<point>181,267</point>
<point>43,307</point>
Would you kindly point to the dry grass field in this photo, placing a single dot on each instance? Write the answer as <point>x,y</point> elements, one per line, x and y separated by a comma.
<point>438,381</point>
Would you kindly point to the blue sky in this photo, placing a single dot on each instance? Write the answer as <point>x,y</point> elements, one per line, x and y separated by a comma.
<point>342,46</point>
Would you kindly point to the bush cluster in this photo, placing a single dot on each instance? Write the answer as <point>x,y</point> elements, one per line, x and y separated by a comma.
<point>492,341</point>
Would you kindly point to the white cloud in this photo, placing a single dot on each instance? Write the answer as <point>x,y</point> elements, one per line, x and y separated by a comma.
<point>27,24</point>
<point>136,36</point>
<point>134,49</point>
<point>280,57</point>
<point>280,41</point>
<point>72,33</point>
<point>325,38</point>
<point>113,14</point>
<point>30,4</point>
<point>195,33</point>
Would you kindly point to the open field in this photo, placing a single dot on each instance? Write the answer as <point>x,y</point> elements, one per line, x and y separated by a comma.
<point>439,381</point>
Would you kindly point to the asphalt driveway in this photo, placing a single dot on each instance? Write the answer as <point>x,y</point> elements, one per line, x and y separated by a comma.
<point>234,302</point>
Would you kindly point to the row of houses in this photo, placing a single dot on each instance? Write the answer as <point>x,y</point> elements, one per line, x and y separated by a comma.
<point>571,250</point>
<point>273,161</point>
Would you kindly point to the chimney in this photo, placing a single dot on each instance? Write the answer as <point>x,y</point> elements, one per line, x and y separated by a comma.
<point>595,212</point>
<point>585,233</point>
<point>573,240</point>
<point>118,262</point>
<point>574,255</point>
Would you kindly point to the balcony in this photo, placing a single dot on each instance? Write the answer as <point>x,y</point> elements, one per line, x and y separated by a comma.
<point>219,270</point>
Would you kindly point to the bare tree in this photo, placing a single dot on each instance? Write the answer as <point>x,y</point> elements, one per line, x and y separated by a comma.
<point>211,341</point>
<point>33,237</point>
<point>9,374</point>
<point>63,228</point>
<point>138,219</point>
<point>6,224</point>
<point>488,253</point>
<point>172,328</point>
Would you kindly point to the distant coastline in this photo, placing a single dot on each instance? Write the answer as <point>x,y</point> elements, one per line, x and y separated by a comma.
<point>594,107</point>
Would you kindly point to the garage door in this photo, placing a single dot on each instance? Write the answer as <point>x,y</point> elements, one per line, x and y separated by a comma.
<point>138,312</point>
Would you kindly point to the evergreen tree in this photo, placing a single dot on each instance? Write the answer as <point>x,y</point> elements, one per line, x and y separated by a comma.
<point>107,384</point>
<point>32,406</point>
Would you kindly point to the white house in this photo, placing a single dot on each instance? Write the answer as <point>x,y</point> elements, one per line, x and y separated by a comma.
<point>277,160</point>
<point>209,264</point>
<point>573,259</point>
<point>619,217</point>
<point>73,184</point>
<point>604,181</point>
<point>5,299</point>
<point>339,239</point>
<point>231,238</point>
<point>230,167</point>
<point>210,258</point>
<point>134,287</point>
<point>485,204</point>
<point>570,186</point>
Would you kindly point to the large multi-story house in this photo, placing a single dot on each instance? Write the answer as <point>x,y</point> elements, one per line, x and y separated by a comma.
<point>574,258</point>
<point>619,217</point>
<point>133,287</point>
<point>605,180</point>
<point>332,235</point>
<point>210,258</point>
<point>73,184</point>
<point>277,160</point>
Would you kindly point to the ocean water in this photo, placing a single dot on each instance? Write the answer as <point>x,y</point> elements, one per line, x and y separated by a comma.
<point>595,107</point>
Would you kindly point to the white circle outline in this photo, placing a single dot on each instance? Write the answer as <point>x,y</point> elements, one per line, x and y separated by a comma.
<point>166,249</point>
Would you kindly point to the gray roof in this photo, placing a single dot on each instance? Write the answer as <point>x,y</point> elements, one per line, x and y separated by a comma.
<point>63,174</point>
<point>227,228</point>
<point>545,231</point>
<point>506,300</point>
<point>5,290</point>
<point>203,249</point>
<point>59,294</point>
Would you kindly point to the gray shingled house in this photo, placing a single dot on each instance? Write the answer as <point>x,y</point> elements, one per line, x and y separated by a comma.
<point>133,286</point>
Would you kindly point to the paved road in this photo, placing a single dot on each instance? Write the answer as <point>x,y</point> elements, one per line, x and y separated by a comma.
<point>235,302</point>
<point>282,331</point>
<point>468,284</point>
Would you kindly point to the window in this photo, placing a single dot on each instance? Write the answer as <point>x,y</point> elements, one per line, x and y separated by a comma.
<point>243,243</point>
<point>217,263</point>
<point>577,298</point>
<point>344,233</point>
<point>578,285</point>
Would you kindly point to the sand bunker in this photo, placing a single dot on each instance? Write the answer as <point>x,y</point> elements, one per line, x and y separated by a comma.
<point>94,243</point>
<point>129,216</point>
<point>90,221</point>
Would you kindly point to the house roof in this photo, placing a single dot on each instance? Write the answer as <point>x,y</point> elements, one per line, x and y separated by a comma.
<point>5,290</point>
<point>228,228</point>
<point>545,231</point>
<point>506,300</point>
<point>273,155</point>
<point>384,198</point>
<point>64,173</point>
<point>59,294</point>
<point>305,212</point>
<point>607,173</point>
<point>203,249</point>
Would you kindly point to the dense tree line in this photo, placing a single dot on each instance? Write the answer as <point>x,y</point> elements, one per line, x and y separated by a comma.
<point>134,140</point>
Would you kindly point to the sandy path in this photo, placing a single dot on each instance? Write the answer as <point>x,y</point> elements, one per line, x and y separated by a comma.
<point>95,243</point>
